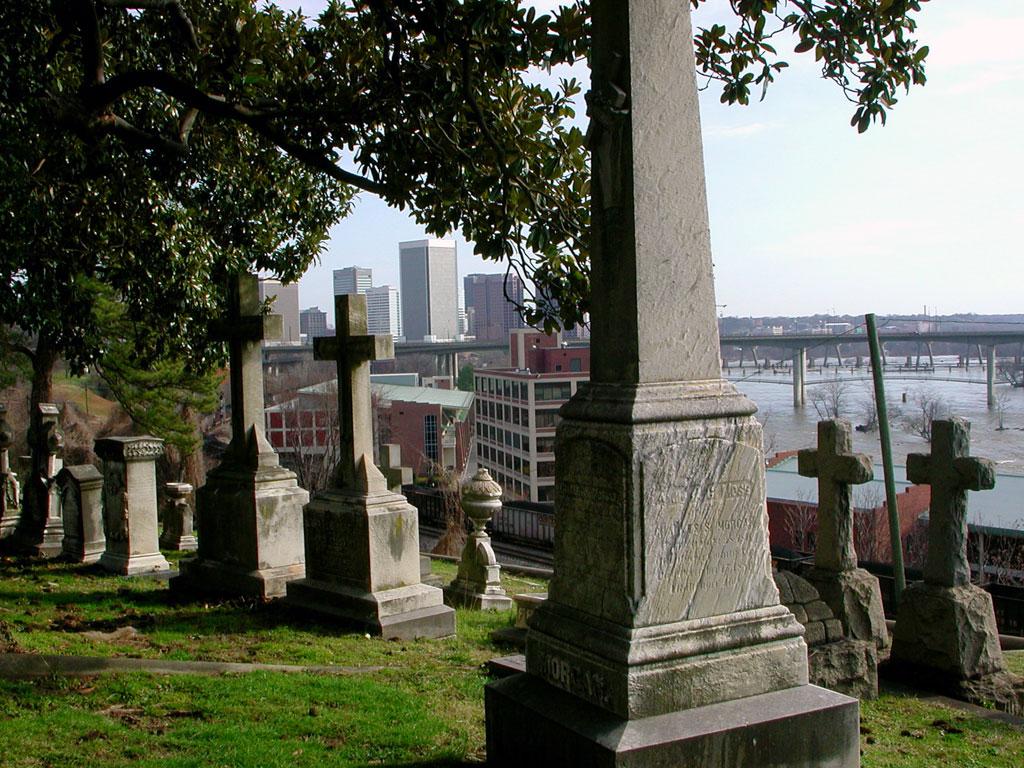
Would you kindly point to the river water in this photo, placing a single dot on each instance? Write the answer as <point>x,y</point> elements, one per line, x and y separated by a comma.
<point>962,391</point>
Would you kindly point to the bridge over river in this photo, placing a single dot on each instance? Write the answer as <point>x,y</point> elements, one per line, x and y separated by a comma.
<point>792,348</point>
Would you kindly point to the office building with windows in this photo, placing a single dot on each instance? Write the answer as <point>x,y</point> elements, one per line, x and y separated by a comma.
<point>516,411</point>
<point>429,289</point>
<point>491,305</point>
<point>383,310</point>
<point>352,280</point>
<point>313,323</point>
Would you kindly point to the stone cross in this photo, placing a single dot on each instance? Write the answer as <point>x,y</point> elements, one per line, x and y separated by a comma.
<point>837,467</point>
<point>391,466</point>
<point>352,349</point>
<point>951,472</point>
<point>244,328</point>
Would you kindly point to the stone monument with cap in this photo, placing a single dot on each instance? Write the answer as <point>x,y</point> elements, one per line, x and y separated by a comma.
<point>130,504</point>
<point>10,489</point>
<point>362,540</point>
<point>177,534</point>
<point>40,528</point>
<point>249,512</point>
<point>81,501</point>
<point>662,641</point>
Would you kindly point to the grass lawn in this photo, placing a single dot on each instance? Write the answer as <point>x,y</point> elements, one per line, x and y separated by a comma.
<point>424,706</point>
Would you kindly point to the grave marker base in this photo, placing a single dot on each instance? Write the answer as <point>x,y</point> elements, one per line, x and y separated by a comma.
<point>209,577</point>
<point>363,567</point>
<point>133,565</point>
<point>947,634</point>
<point>791,728</point>
<point>250,534</point>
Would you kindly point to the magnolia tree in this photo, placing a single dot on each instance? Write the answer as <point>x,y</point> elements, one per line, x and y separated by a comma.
<point>149,148</point>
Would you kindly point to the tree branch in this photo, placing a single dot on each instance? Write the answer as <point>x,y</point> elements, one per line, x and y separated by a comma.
<point>140,138</point>
<point>103,96</point>
<point>92,48</point>
<point>174,6</point>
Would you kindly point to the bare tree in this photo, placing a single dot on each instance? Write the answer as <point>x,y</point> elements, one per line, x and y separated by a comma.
<point>801,523</point>
<point>312,440</point>
<point>1002,402</point>
<point>1011,373</point>
<point>446,481</point>
<point>769,438</point>
<point>869,412</point>
<point>829,398</point>
<point>928,406</point>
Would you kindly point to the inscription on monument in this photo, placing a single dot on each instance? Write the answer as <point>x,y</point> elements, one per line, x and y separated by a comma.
<point>710,554</point>
<point>570,676</point>
<point>593,482</point>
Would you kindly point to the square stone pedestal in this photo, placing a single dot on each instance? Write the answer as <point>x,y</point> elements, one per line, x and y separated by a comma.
<point>532,723</point>
<point>363,567</point>
<point>250,534</point>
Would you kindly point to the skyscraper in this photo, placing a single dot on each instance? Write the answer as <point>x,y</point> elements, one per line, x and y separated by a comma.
<point>383,311</point>
<point>313,322</point>
<point>430,289</point>
<point>286,304</point>
<point>352,280</point>
<point>493,315</point>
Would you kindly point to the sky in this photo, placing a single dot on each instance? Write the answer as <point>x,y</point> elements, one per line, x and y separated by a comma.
<point>809,217</point>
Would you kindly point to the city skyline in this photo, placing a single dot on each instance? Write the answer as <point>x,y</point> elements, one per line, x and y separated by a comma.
<point>807,216</point>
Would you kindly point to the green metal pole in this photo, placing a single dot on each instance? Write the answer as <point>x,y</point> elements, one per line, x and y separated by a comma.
<point>883,435</point>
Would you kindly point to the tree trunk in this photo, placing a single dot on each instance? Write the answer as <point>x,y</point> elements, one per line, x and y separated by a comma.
<point>193,465</point>
<point>29,534</point>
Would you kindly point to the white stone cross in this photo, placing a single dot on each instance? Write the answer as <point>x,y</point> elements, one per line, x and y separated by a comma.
<point>837,467</point>
<point>951,472</point>
<point>244,328</point>
<point>353,348</point>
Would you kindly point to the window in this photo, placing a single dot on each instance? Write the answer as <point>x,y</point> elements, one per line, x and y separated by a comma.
<point>545,469</point>
<point>545,444</point>
<point>430,436</point>
<point>553,391</point>
<point>547,419</point>
<point>575,364</point>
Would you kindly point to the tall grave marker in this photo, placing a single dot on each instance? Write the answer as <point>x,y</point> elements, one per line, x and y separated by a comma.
<point>81,502</point>
<point>40,528</point>
<point>945,624</point>
<point>362,540</point>
<point>250,509</point>
<point>130,504</point>
<point>663,641</point>
<point>10,490</point>
<point>852,593</point>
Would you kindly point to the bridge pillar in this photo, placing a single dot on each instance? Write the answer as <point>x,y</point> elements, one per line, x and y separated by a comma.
<point>455,369</point>
<point>799,363</point>
<point>990,374</point>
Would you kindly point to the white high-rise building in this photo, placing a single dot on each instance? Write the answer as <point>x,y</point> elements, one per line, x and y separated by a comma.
<point>352,280</point>
<point>383,310</point>
<point>429,289</point>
